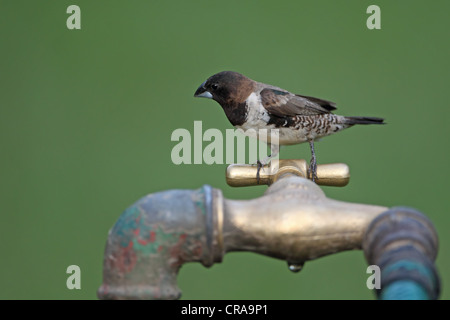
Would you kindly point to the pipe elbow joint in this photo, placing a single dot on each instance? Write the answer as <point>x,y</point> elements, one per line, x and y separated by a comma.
<point>154,237</point>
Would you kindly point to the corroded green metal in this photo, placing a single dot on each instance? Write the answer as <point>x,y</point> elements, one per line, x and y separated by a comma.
<point>403,243</point>
<point>152,239</point>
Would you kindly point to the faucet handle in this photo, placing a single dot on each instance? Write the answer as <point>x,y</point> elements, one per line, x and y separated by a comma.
<point>244,175</point>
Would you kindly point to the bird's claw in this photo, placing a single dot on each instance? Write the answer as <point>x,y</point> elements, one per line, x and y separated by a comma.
<point>260,165</point>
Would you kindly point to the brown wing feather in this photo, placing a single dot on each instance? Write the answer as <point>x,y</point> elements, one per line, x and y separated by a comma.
<point>330,106</point>
<point>283,103</point>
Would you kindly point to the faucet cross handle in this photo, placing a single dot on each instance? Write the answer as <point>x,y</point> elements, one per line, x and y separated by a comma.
<point>244,175</point>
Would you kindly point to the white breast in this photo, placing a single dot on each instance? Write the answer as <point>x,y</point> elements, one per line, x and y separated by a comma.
<point>257,116</point>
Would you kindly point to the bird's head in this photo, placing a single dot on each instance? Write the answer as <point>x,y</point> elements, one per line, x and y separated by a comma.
<point>226,87</point>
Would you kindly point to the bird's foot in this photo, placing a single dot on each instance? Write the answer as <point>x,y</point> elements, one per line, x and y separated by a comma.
<point>260,165</point>
<point>312,170</point>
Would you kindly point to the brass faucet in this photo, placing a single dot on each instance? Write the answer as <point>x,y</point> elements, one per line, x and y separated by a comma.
<point>293,221</point>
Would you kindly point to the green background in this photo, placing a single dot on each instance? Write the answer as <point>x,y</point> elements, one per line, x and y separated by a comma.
<point>86,118</point>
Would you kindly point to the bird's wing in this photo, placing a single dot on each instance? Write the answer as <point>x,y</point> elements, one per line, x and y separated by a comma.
<point>282,103</point>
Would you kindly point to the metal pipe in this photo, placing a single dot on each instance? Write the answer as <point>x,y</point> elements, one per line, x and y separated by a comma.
<point>154,237</point>
<point>403,243</point>
<point>293,221</point>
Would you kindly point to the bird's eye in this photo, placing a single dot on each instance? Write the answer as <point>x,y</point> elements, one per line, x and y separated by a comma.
<point>214,86</point>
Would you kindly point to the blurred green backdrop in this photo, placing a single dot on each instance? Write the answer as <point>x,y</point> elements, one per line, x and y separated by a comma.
<point>86,118</point>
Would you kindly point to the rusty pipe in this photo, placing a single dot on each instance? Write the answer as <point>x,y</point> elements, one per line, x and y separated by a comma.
<point>293,221</point>
<point>154,237</point>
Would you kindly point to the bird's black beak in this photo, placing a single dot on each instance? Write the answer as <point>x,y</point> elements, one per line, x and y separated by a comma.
<point>202,92</point>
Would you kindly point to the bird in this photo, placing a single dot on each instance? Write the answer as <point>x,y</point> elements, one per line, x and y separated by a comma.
<point>249,104</point>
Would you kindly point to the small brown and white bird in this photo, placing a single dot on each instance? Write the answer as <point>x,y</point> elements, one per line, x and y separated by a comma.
<point>249,104</point>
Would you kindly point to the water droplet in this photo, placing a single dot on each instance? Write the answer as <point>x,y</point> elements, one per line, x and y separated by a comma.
<point>295,266</point>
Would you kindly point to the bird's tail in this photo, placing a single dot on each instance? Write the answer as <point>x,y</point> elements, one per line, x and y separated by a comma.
<point>364,120</point>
